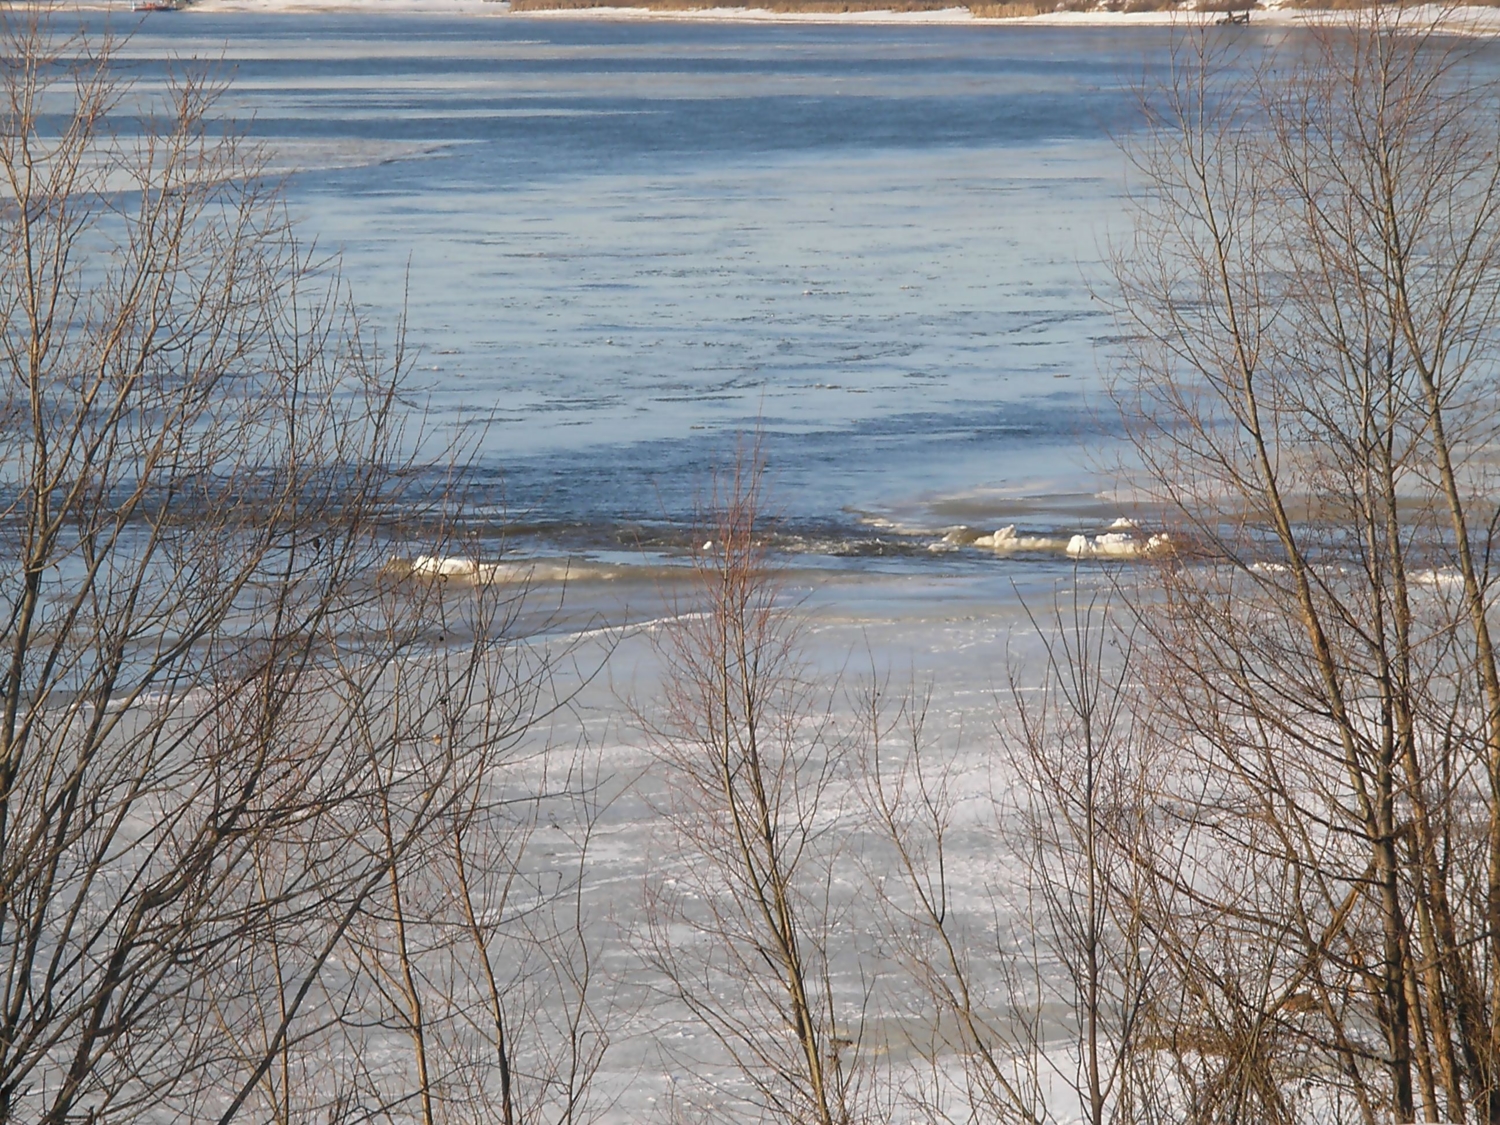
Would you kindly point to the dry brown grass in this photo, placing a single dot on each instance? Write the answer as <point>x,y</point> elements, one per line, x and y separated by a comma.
<point>1020,9</point>
<point>1137,6</point>
<point>1012,9</point>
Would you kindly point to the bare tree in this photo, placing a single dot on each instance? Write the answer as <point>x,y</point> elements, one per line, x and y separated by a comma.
<point>1312,292</point>
<point>1036,980</point>
<point>224,735</point>
<point>743,926</point>
<point>477,952</point>
<point>526,959</point>
<point>1082,758</point>
<point>972,1011</point>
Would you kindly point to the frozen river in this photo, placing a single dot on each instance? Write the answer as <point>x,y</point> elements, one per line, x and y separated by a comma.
<point>624,246</point>
<point>325,807</point>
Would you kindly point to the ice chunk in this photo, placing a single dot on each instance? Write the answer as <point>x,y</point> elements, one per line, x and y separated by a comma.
<point>1117,545</point>
<point>1006,539</point>
<point>520,572</point>
<point>440,566</point>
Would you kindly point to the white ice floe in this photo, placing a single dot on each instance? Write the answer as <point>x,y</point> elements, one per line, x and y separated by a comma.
<point>468,571</point>
<point>1006,539</point>
<point>1122,541</point>
<point>1116,545</point>
<point>438,566</point>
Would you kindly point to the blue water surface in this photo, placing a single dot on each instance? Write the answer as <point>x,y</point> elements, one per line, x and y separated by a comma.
<point>622,246</point>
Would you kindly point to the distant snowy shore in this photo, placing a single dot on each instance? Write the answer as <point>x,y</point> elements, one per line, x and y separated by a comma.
<point>1471,20</point>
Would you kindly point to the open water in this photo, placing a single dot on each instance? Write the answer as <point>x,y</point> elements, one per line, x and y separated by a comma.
<point>624,246</point>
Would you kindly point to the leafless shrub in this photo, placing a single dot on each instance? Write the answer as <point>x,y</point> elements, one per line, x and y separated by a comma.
<point>1038,983</point>
<point>224,737</point>
<point>973,1021</point>
<point>745,926</point>
<point>1082,756</point>
<point>1312,291</point>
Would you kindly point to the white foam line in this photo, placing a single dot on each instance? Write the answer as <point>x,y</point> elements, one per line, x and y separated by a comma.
<point>629,630</point>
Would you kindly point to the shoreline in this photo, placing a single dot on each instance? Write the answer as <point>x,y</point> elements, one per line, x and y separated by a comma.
<point>1472,20</point>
